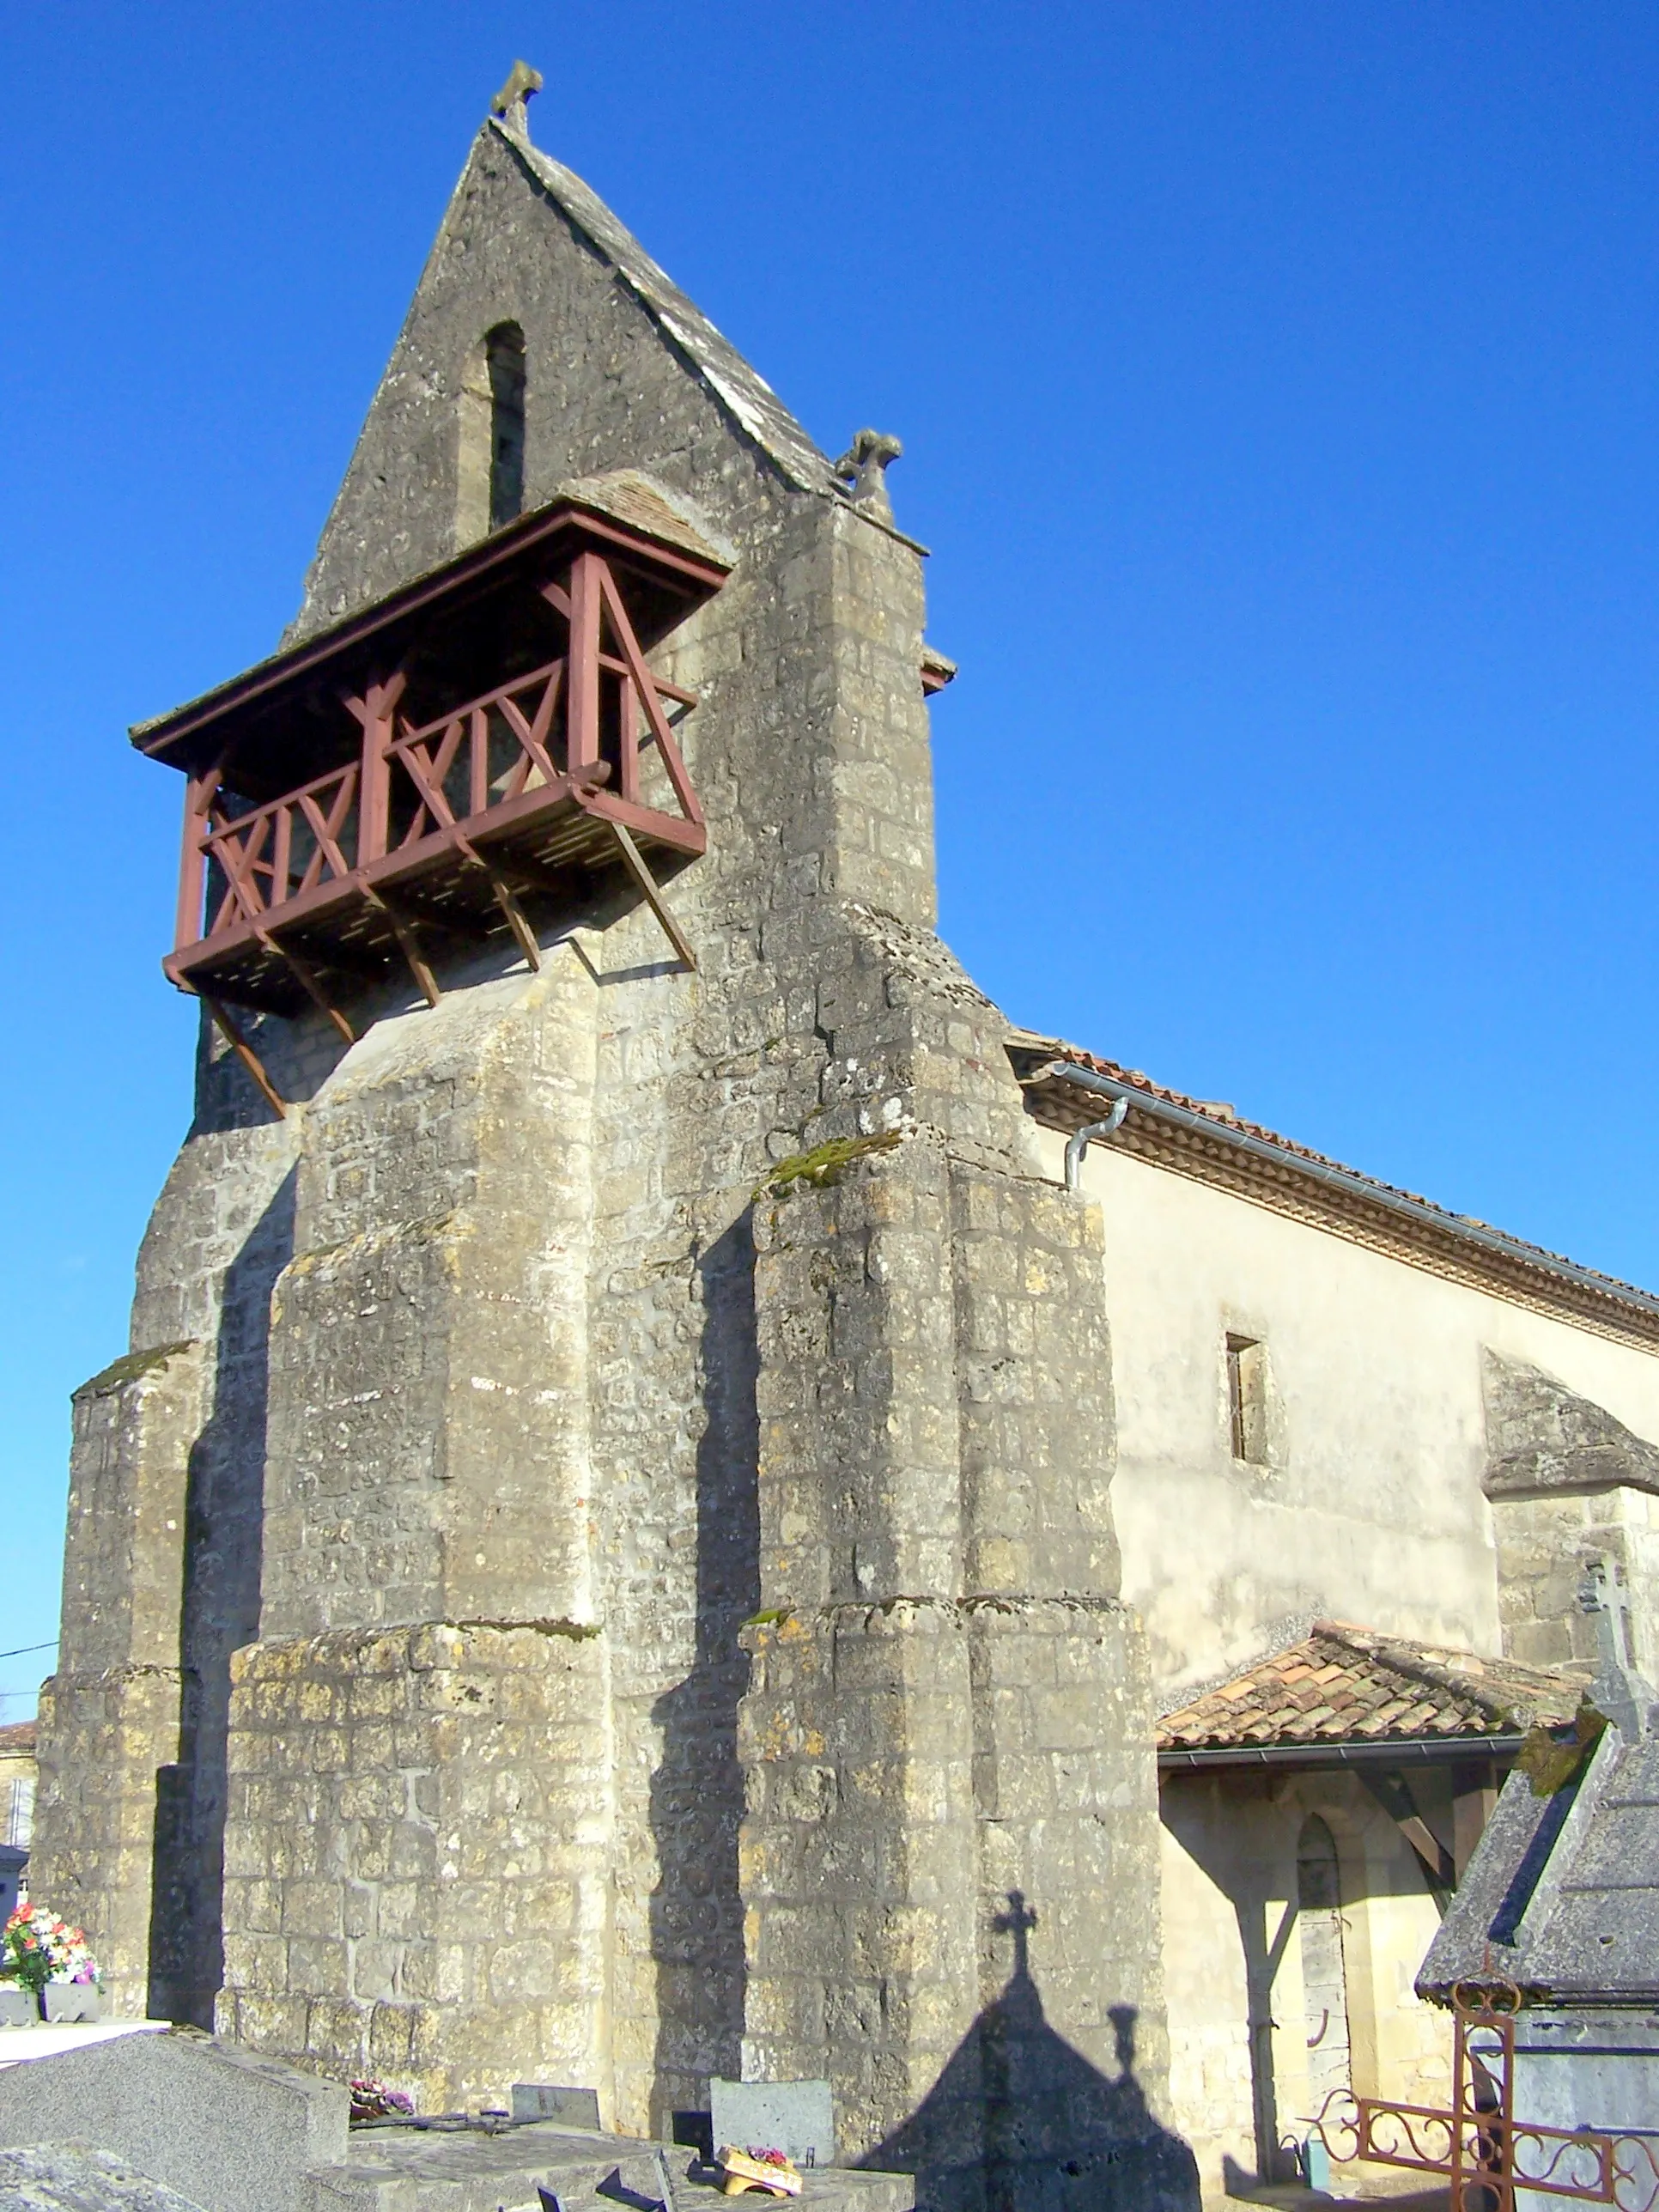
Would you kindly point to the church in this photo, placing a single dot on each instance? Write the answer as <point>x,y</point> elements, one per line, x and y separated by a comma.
<point>687,1500</point>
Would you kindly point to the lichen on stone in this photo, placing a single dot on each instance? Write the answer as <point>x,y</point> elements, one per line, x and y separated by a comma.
<point>1550,1758</point>
<point>823,1167</point>
<point>131,1366</point>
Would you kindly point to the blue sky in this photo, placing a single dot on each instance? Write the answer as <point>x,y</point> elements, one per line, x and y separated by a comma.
<point>1278,386</point>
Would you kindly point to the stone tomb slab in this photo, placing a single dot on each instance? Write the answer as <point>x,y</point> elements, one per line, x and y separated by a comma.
<point>797,2118</point>
<point>225,2129</point>
<point>411,2169</point>
<point>73,2178</point>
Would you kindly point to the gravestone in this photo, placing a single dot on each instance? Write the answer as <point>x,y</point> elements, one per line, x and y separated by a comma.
<point>233,2132</point>
<point>797,2118</point>
<point>18,2007</point>
<point>569,2108</point>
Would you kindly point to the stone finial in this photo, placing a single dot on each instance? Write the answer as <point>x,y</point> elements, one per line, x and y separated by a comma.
<point>865,465</point>
<point>511,102</point>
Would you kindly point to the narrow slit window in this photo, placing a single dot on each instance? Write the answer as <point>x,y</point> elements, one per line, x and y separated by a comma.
<point>491,428</point>
<point>504,357</point>
<point>1247,1398</point>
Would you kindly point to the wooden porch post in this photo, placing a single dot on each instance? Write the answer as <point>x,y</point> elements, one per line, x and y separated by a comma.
<point>374,711</point>
<point>199,794</point>
<point>582,746</point>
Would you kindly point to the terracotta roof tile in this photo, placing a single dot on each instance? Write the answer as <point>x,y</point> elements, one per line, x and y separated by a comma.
<point>17,1738</point>
<point>1340,1682</point>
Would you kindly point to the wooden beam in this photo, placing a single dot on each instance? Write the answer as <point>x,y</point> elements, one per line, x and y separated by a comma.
<point>408,943</point>
<point>306,975</point>
<point>516,921</point>
<point>199,791</point>
<point>1393,1793</point>
<point>582,711</point>
<point>375,711</point>
<point>647,685</point>
<point>501,885</point>
<point>634,859</point>
<point>245,1052</point>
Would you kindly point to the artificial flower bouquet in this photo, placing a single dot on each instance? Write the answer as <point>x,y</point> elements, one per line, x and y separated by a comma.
<point>769,2171</point>
<point>37,1948</point>
<point>372,2100</point>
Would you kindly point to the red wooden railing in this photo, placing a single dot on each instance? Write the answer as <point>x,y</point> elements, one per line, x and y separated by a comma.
<point>272,853</point>
<point>551,726</point>
<point>458,767</point>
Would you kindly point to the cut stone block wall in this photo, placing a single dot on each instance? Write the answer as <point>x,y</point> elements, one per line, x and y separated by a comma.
<point>951,1837</point>
<point>417,1857</point>
<point>110,1721</point>
<point>1545,1544</point>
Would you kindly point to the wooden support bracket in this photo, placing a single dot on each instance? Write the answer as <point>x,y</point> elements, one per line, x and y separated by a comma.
<point>516,921</point>
<point>634,861</point>
<point>306,975</point>
<point>504,889</point>
<point>245,1052</point>
<point>409,944</point>
<point>1393,1793</point>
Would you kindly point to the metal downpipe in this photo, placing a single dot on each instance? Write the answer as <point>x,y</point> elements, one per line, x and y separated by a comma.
<point>1081,1139</point>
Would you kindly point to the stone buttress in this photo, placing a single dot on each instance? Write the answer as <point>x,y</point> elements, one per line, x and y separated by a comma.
<point>600,1568</point>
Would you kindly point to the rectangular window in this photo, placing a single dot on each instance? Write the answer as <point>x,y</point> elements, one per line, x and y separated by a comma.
<point>1247,1398</point>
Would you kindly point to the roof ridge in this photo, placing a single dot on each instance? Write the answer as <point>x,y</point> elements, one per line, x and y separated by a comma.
<point>742,390</point>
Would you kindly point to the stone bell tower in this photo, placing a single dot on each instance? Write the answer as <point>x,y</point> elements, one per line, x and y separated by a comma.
<point>599,1565</point>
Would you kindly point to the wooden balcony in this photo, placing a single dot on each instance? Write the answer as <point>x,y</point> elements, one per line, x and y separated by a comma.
<point>481,745</point>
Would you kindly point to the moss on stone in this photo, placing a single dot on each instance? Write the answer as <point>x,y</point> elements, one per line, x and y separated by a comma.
<point>576,1631</point>
<point>1550,1757</point>
<point>825,1165</point>
<point>130,1367</point>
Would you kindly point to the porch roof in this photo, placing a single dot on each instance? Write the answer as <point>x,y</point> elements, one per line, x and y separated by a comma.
<point>1341,1687</point>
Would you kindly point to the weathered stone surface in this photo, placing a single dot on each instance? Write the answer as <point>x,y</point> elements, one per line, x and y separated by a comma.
<point>110,1719</point>
<point>234,2132</point>
<point>797,2118</point>
<point>1544,1439</point>
<point>391,2169</point>
<point>75,2177</point>
<point>418,1855</point>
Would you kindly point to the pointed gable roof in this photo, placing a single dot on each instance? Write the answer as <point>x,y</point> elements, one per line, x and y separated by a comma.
<point>744,395</point>
<point>1562,1894</point>
<point>1346,1686</point>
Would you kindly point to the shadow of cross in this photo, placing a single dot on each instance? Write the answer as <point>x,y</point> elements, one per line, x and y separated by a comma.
<point>1022,2120</point>
<point>1018,1921</point>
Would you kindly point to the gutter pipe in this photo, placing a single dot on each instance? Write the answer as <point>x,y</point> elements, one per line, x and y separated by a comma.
<point>1373,1193</point>
<point>1433,1751</point>
<point>1081,1139</point>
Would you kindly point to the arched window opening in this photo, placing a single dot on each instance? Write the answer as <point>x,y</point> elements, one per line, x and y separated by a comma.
<point>1324,1974</point>
<point>489,475</point>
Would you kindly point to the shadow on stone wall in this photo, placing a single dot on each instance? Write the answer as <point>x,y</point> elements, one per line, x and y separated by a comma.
<point>224,1512</point>
<point>1020,2121</point>
<point>696,1794</point>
